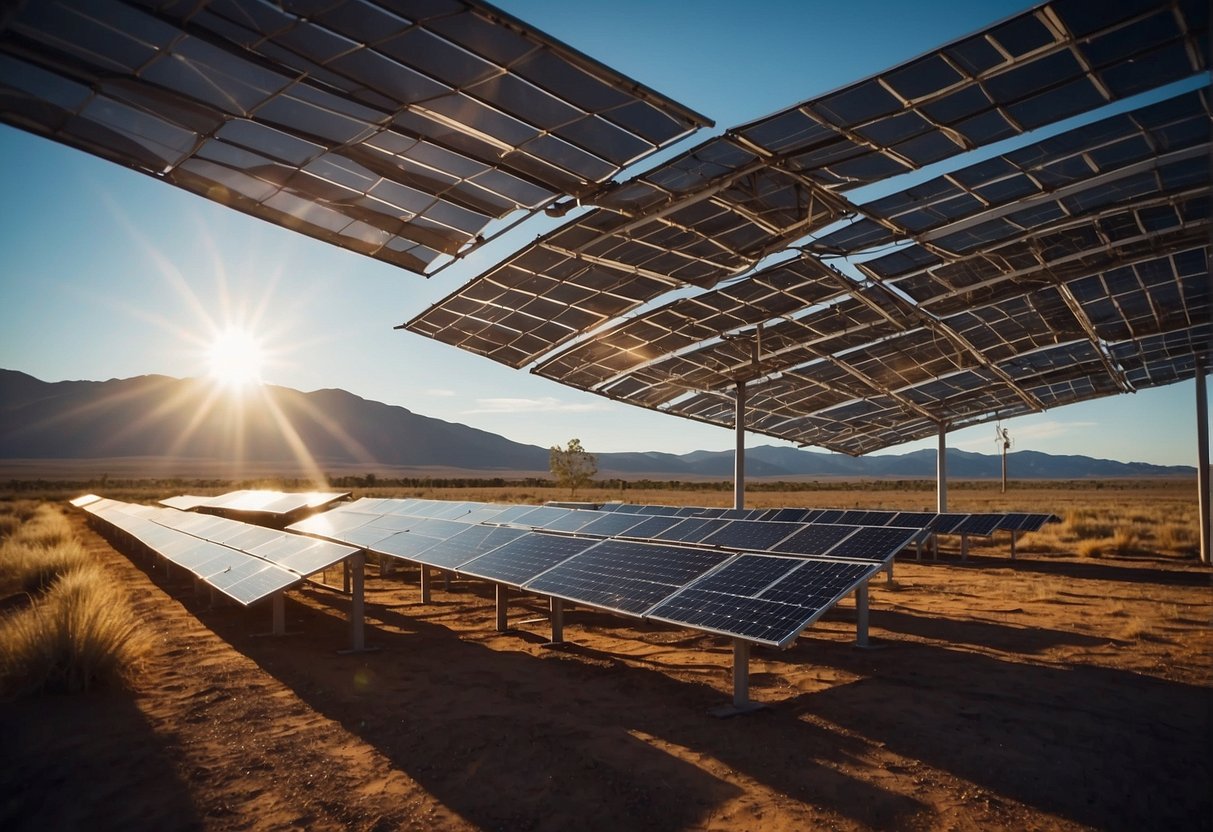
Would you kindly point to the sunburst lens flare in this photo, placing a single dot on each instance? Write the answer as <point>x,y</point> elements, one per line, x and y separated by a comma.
<point>236,358</point>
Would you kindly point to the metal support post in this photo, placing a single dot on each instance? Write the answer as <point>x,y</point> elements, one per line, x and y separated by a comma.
<point>941,471</point>
<point>425,584</point>
<point>385,565</point>
<point>741,673</point>
<point>502,592</point>
<point>557,607</point>
<point>888,572</point>
<point>446,580</point>
<point>1202,462</point>
<point>861,615</point>
<point>345,576</point>
<point>356,564</point>
<point>1014,536</point>
<point>739,454</point>
<point>964,547</point>
<point>279,601</point>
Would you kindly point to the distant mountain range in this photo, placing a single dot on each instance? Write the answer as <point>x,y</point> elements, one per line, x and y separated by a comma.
<point>188,423</point>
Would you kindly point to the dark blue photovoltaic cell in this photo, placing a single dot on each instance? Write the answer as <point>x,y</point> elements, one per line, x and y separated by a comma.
<point>756,535</point>
<point>819,580</point>
<point>575,520</point>
<point>407,545</point>
<point>441,529</point>
<point>829,515</point>
<point>363,536</point>
<point>945,523</point>
<point>874,543</point>
<point>510,513</point>
<point>762,598</point>
<point>625,577</point>
<point>691,530</point>
<point>913,519</point>
<point>814,539</point>
<point>470,543</point>
<point>791,515</point>
<point>540,516</point>
<point>612,524</point>
<point>981,525</point>
<point>747,574</point>
<point>1011,522</point>
<point>522,559</point>
<point>650,527</point>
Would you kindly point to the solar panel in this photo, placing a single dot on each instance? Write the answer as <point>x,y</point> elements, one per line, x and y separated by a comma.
<point>913,519</point>
<point>400,133</point>
<point>829,515</point>
<point>541,516</point>
<point>463,547</point>
<point>814,539</point>
<point>650,527</point>
<point>1011,522</point>
<point>790,515</point>
<point>751,534</point>
<point>521,559</point>
<point>874,543</point>
<point>364,536</point>
<point>692,530</point>
<point>309,559</point>
<point>252,537</point>
<point>406,545</point>
<point>981,525</point>
<point>762,598</point>
<point>261,584</point>
<point>441,529</point>
<point>623,576</point>
<point>612,524</point>
<point>331,523</point>
<point>946,523</point>
<point>511,513</point>
<point>1035,522</point>
<point>575,520</point>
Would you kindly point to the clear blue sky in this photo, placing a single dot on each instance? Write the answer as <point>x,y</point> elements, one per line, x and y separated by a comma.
<point>106,273</point>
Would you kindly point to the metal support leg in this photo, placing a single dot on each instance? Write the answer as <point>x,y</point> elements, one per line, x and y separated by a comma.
<point>861,615</point>
<point>964,547</point>
<point>501,605</point>
<point>356,564</point>
<point>279,601</point>
<point>425,584</point>
<point>446,580</point>
<point>385,566</point>
<point>934,547</point>
<point>918,551</point>
<point>741,673</point>
<point>1014,535</point>
<point>557,605</point>
<point>345,576</point>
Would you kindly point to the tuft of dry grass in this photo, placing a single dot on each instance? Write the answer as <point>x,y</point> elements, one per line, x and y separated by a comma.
<point>79,635</point>
<point>77,630</point>
<point>32,568</point>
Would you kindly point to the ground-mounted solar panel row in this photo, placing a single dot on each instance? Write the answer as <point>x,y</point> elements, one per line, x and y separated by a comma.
<point>550,550</point>
<point>244,562</point>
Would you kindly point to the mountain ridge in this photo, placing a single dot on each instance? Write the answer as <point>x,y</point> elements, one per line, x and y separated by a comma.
<point>157,416</point>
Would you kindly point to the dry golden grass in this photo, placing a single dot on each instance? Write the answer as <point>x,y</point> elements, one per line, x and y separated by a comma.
<point>77,630</point>
<point>79,635</point>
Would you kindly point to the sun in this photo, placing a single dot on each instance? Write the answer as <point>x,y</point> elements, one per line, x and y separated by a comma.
<point>236,357</point>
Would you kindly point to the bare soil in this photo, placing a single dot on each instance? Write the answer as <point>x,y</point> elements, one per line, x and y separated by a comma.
<point>1041,693</point>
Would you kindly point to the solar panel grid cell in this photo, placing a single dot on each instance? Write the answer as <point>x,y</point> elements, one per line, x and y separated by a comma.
<point>623,576</point>
<point>814,539</point>
<point>470,543</point>
<point>650,527</point>
<point>752,535</point>
<point>574,520</point>
<point>691,530</point>
<point>525,557</point>
<point>945,523</point>
<point>612,524</point>
<point>877,543</point>
<point>980,525</point>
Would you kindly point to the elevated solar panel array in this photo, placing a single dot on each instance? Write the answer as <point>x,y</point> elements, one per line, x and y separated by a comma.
<point>1070,267</point>
<point>400,130</point>
<point>632,564</point>
<point>272,503</point>
<point>244,562</point>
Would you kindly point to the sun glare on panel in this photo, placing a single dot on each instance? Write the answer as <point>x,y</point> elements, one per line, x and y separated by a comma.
<point>236,358</point>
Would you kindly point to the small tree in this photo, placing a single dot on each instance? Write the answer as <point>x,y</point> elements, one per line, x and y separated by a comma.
<point>573,465</point>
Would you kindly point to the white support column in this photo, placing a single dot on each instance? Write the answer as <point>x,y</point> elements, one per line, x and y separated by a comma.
<point>345,576</point>
<point>739,455</point>
<point>741,674</point>
<point>502,593</point>
<point>861,615</point>
<point>279,601</point>
<point>941,471</point>
<point>557,607</point>
<point>356,567</point>
<point>1202,462</point>
<point>425,584</point>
